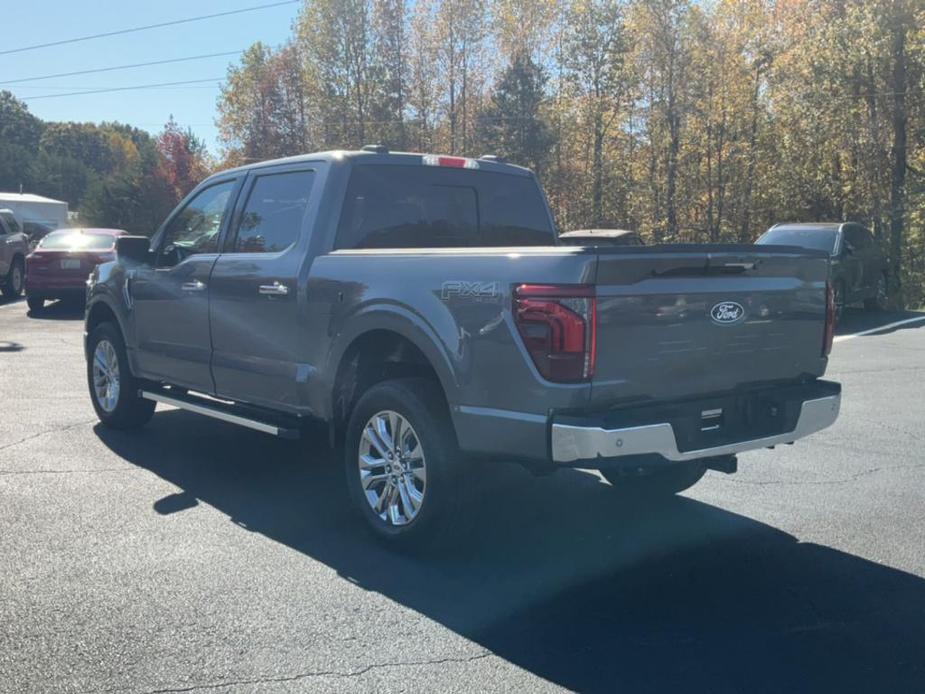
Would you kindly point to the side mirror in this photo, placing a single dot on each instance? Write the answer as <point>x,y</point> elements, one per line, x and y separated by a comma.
<point>135,249</point>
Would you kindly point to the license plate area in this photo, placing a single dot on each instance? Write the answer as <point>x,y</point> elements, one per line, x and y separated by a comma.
<point>70,263</point>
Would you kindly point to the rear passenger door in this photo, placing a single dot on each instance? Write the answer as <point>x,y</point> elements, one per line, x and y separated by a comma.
<point>259,332</point>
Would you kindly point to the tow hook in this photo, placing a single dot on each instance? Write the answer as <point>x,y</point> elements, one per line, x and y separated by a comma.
<point>727,464</point>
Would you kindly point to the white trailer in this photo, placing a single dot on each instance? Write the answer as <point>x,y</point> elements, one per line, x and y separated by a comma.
<point>36,215</point>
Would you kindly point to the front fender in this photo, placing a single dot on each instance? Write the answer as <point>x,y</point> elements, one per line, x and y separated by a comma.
<point>106,288</point>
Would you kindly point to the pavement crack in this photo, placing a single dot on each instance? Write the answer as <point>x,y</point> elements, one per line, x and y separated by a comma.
<point>45,432</point>
<point>311,674</point>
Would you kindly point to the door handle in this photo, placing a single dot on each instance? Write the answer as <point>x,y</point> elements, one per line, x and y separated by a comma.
<point>194,286</point>
<point>275,289</point>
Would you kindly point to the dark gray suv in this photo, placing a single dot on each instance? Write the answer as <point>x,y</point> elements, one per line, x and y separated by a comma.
<point>858,270</point>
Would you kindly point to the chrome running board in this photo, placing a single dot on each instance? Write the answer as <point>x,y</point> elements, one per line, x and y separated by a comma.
<point>219,410</point>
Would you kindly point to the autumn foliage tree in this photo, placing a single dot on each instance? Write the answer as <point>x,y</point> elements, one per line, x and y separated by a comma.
<point>687,121</point>
<point>184,159</point>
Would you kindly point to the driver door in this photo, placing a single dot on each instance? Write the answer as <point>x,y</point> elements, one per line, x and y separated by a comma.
<point>171,299</point>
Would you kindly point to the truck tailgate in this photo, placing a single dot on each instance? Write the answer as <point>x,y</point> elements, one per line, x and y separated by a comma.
<point>677,321</point>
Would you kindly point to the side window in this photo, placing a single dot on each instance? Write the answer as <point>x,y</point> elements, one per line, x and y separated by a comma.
<point>196,228</point>
<point>11,224</point>
<point>274,212</point>
<point>409,206</point>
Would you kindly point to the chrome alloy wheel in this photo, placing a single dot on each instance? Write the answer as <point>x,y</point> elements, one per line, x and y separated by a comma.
<point>392,468</point>
<point>16,279</point>
<point>106,375</point>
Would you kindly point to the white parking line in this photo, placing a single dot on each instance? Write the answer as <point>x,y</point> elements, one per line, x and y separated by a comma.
<point>841,338</point>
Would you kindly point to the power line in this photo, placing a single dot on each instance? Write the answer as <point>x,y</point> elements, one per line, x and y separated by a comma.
<point>122,67</point>
<point>123,89</point>
<point>86,87</point>
<point>148,26</point>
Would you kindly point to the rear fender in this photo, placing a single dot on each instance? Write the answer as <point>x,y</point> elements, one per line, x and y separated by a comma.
<point>398,320</point>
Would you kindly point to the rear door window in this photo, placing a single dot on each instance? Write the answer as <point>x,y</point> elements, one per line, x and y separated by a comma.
<point>429,207</point>
<point>274,212</point>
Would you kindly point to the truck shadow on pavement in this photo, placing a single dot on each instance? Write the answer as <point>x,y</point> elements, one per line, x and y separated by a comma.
<point>60,310</point>
<point>563,581</point>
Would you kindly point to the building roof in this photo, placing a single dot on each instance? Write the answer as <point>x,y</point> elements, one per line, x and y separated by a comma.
<point>27,197</point>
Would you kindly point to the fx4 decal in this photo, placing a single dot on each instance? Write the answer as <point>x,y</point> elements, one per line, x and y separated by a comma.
<point>478,291</point>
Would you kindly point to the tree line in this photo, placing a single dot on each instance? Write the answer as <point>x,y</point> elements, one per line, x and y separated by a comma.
<point>687,121</point>
<point>112,174</point>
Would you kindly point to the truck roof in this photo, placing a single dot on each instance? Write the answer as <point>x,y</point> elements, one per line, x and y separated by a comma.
<point>810,226</point>
<point>379,154</point>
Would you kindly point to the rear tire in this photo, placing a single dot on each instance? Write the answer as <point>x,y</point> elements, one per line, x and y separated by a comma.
<point>661,483</point>
<point>12,284</point>
<point>408,494</point>
<point>35,303</point>
<point>879,300</point>
<point>114,392</point>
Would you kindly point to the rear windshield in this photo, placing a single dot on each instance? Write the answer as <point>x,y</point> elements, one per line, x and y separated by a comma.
<point>430,207</point>
<point>77,241</point>
<point>818,239</point>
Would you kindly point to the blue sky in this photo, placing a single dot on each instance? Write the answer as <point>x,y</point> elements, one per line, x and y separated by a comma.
<point>43,21</point>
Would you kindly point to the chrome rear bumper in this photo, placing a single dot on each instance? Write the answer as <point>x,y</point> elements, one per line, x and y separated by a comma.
<point>576,443</point>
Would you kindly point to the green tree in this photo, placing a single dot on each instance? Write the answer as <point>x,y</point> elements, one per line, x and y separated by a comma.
<point>512,125</point>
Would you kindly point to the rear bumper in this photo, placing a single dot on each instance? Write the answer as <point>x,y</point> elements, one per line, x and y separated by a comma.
<point>53,286</point>
<point>812,407</point>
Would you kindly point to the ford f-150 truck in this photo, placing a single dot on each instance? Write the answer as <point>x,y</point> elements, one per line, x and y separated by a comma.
<point>423,308</point>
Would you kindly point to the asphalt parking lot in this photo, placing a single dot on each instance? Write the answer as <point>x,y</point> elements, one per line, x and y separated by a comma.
<point>197,556</point>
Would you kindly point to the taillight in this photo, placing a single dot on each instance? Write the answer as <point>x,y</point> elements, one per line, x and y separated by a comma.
<point>558,324</point>
<point>829,334</point>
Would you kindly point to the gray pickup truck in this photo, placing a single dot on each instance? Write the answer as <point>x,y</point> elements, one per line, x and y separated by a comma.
<point>422,307</point>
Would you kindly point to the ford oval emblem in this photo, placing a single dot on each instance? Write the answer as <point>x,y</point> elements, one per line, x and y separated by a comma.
<point>727,312</point>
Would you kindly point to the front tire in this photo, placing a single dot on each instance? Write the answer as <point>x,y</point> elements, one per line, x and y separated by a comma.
<point>114,392</point>
<point>675,478</point>
<point>402,463</point>
<point>12,285</point>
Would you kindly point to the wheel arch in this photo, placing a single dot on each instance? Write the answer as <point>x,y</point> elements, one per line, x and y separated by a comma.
<point>99,311</point>
<point>379,353</point>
